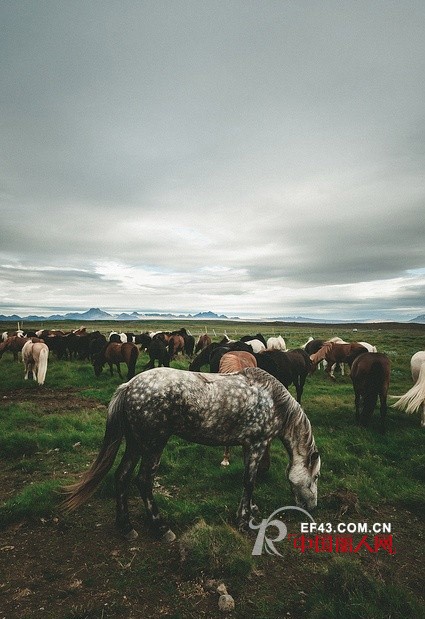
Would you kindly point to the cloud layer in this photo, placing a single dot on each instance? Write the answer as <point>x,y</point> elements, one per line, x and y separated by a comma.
<point>248,158</point>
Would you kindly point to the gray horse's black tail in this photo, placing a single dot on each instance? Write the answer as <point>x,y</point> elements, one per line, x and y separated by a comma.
<point>80,492</point>
<point>132,362</point>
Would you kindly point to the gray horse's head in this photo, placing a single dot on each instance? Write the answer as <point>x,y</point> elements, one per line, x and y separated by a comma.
<point>303,474</point>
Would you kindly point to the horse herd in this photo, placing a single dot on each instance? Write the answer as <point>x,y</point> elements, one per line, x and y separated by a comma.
<point>243,400</point>
<point>370,373</point>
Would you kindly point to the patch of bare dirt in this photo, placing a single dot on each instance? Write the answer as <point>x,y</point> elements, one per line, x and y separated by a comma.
<point>69,399</point>
<point>78,567</point>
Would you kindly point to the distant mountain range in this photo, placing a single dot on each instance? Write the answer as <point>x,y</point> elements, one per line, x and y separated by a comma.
<point>97,314</point>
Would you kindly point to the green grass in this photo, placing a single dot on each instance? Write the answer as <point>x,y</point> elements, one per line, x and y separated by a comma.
<point>215,551</point>
<point>348,592</point>
<point>34,501</point>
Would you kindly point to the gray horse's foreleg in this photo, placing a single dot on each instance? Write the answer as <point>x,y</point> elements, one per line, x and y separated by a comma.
<point>252,458</point>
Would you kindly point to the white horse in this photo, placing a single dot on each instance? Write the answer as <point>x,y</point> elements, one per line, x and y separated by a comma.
<point>413,399</point>
<point>35,357</point>
<point>369,347</point>
<point>256,345</point>
<point>276,343</point>
<point>121,336</point>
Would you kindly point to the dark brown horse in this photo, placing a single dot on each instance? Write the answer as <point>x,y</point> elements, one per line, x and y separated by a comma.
<point>114,354</point>
<point>370,373</point>
<point>203,341</point>
<point>333,353</point>
<point>15,344</point>
<point>290,367</point>
<point>175,345</point>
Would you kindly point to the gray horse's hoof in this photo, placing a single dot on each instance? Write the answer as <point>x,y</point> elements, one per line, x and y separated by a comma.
<point>168,537</point>
<point>131,535</point>
<point>255,512</point>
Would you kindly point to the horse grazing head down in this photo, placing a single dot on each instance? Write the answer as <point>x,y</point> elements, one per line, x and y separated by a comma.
<point>249,408</point>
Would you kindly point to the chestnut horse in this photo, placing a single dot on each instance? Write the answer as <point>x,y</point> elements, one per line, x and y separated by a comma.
<point>114,354</point>
<point>370,374</point>
<point>334,353</point>
<point>203,341</point>
<point>175,345</point>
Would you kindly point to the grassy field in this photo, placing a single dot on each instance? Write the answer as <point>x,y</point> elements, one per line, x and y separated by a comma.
<point>75,566</point>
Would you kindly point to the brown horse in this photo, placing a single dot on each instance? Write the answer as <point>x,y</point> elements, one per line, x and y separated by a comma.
<point>370,373</point>
<point>333,353</point>
<point>203,341</point>
<point>175,345</point>
<point>15,344</point>
<point>114,354</point>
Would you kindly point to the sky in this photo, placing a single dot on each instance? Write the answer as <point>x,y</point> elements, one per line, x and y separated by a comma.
<point>252,158</point>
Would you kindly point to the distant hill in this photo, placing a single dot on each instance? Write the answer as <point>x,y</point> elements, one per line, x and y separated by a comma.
<point>420,319</point>
<point>308,320</point>
<point>211,316</point>
<point>95,313</point>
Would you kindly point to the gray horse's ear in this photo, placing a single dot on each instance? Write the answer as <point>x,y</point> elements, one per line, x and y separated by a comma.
<point>314,457</point>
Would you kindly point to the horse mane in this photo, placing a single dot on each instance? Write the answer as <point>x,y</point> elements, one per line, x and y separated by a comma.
<point>296,427</point>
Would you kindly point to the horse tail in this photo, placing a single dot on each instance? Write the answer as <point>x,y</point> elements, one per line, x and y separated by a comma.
<point>171,348</point>
<point>42,364</point>
<point>411,401</point>
<point>80,492</point>
<point>132,362</point>
<point>373,383</point>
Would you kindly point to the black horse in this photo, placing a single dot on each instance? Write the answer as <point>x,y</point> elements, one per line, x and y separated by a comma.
<point>290,367</point>
<point>157,351</point>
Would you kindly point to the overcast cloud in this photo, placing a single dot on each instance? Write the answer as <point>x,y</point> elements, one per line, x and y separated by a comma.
<point>251,158</point>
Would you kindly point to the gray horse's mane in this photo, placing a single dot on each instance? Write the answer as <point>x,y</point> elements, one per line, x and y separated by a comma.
<point>297,427</point>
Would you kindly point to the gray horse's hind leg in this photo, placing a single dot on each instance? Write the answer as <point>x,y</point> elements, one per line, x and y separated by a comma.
<point>252,458</point>
<point>151,457</point>
<point>123,476</point>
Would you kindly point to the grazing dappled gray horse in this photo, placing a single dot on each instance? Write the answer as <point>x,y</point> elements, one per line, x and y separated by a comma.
<point>248,409</point>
